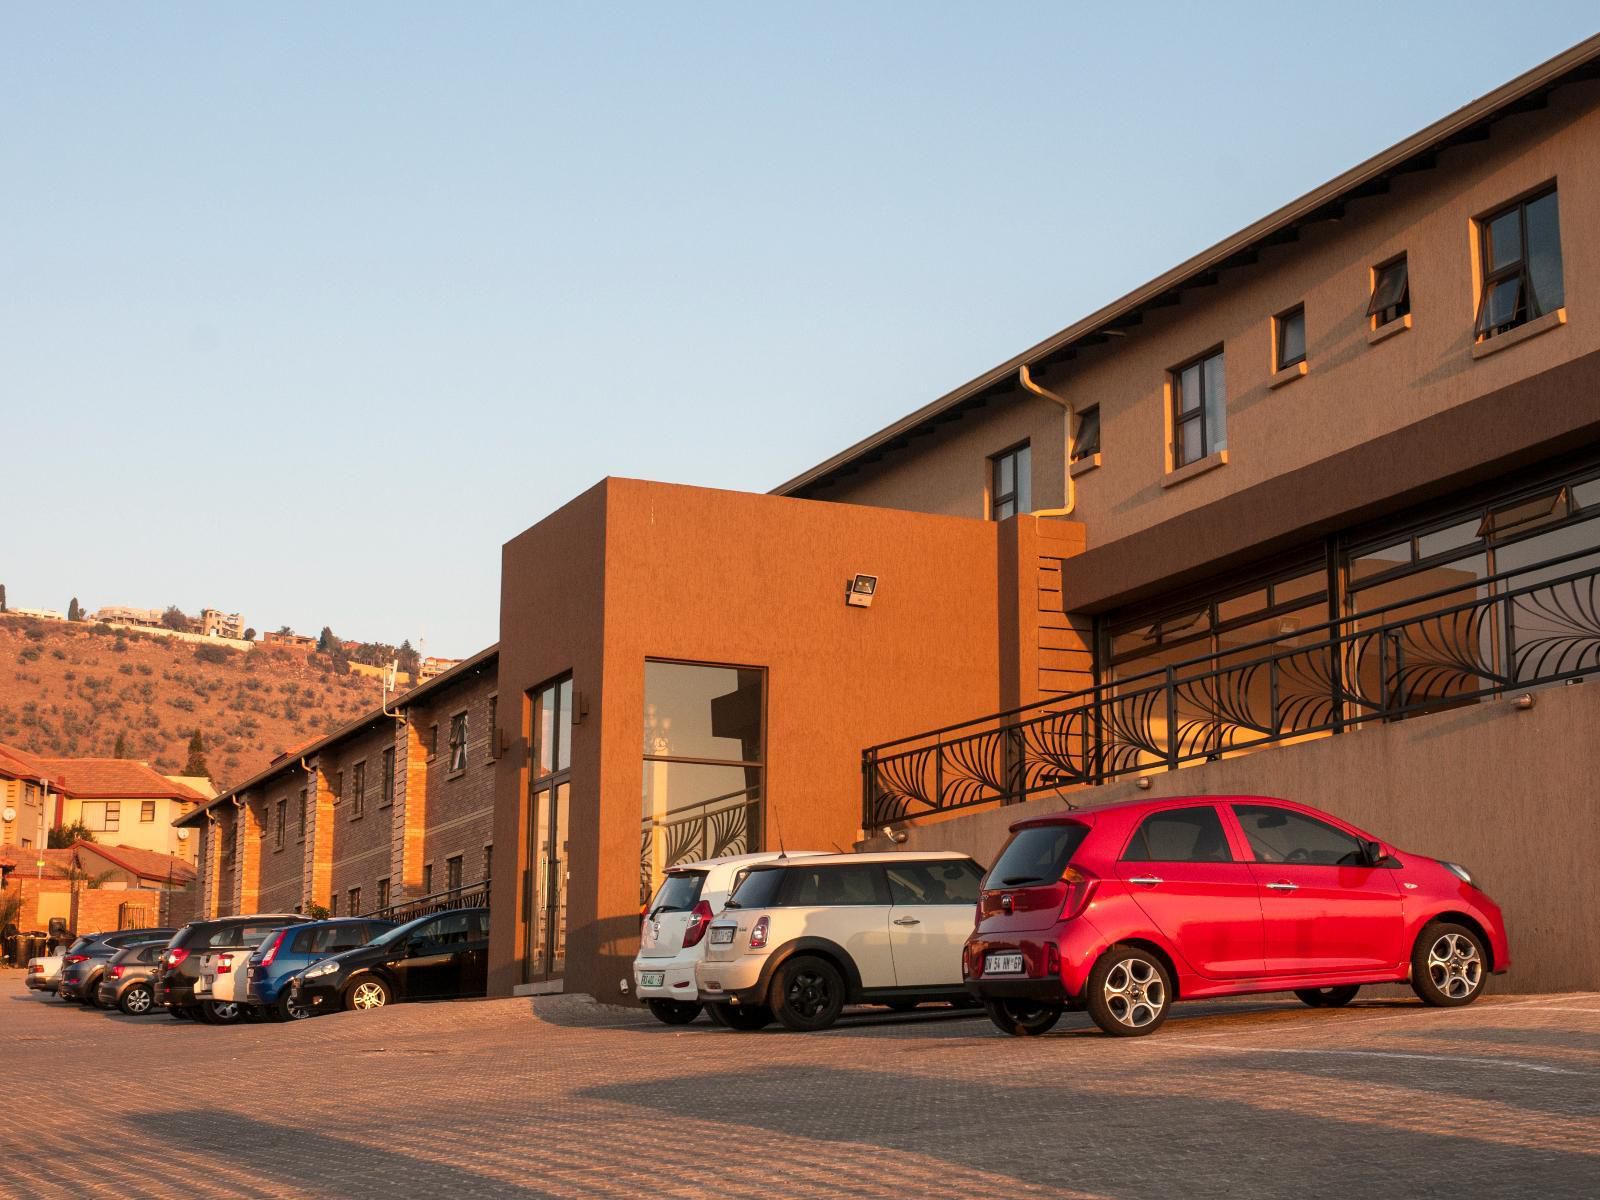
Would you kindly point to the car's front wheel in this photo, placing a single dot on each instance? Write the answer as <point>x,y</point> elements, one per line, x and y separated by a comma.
<point>1328,997</point>
<point>746,1018</point>
<point>674,1012</point>
<point>1448,965</point>
<point>1023,1018</point>
<point>225,1012</point>
<point>367,994</point>
<point>807,993</point>
<point>288,1009</point>
<point>1130,992</point>
<point>136,1001</point>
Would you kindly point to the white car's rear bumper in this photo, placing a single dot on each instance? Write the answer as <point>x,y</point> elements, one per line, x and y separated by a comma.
<point>677,979</point>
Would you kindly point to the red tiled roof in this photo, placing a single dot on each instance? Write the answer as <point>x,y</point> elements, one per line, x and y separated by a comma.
<point>56,862</point>
<point>115,779</point>
<point>18,764</point>
<point>146,864</point>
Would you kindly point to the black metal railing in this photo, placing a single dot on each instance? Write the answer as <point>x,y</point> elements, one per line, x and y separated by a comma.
<point>474,895</point>
<point>1536,625</point>
<point>722,825</point>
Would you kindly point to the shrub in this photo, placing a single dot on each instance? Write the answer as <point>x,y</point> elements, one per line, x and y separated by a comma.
<point>213,654</point>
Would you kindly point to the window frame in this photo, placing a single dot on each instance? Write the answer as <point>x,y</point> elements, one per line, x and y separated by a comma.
<point>1255,857</point>
<point>456,751</point>
<point>305,795</point>
<point>147,811</point>
<point>280,823</point>
<point>1376,317</point>
<point>1177,419</point>
<point>353,901</point>
<point>1280,326</point>
<point>386,784</point>
<point>385,893</point>
<point>1088,417</point>
<point>1489,279</point>
<point>1159,814</point>
<point>454,870</point>
<point>358,791</point>
<point>1015,497</point>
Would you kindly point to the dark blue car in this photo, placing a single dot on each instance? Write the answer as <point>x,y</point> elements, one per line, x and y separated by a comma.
<point>291,950</point>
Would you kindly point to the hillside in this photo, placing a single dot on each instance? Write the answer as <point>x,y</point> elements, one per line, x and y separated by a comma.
<point>70,689</point>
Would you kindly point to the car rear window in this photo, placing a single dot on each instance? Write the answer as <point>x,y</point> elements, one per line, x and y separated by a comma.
<point>679,892</point>
<point>757,889</point>
<point>79,946</point>
<point>1037,854</point>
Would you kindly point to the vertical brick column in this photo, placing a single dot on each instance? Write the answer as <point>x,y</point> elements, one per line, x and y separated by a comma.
<point>210,866</point>
<point>247,826</point>
<point>316,877</point>
<point>410,812</point>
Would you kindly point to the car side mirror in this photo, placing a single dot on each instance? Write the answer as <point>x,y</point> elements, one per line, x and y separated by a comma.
<point>1374,854</point>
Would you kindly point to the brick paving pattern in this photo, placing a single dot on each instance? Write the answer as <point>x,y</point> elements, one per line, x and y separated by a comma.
<point>563,1097</point>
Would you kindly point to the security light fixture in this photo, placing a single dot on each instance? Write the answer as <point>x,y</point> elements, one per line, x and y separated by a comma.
<point>859,591</point>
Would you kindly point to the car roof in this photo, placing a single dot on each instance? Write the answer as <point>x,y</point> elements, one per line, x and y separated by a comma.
<point>735,860</point>
<point>879,856</point>
<point>1126,807</point>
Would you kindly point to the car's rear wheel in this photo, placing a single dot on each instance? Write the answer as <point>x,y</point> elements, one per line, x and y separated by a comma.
<point>1448,965</point>
<point>746,1018</point>
<point>225,1012</point>
<point>1023,1018</point>
<point>1328,997</point>
<point>675,1012</point>
<point>136,1001</point>
<point>807,993</point>
<point>1130,992</point>
<point>367,994</point>
<point>286,1009</point>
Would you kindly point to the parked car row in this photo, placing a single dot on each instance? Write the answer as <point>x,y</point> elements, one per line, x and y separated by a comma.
<point>1119,911</point>
<point>274,966</point>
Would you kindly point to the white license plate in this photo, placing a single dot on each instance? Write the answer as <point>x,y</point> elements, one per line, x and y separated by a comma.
<point>1002,964</point>
<point>722,935</point>
<point>651,978</point>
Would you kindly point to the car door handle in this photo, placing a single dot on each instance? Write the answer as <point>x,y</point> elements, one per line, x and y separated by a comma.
<point>1147,880</point>
<point>907,921</point>
<point>1283,885</point>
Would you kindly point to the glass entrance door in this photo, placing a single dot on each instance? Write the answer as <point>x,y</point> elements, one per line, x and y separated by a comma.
<point>549,793</point>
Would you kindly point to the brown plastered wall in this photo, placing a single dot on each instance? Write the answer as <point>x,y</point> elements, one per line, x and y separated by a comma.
<point>552,606</point>
<point>1353,392</point>
<point>1505,792</point>
<point>408,817</point>
<point>947,472</point>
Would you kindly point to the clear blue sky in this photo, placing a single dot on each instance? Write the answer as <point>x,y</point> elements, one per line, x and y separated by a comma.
<point>304,309</point>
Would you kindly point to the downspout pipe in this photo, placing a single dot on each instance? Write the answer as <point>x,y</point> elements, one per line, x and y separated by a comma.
<point>1025,378</point>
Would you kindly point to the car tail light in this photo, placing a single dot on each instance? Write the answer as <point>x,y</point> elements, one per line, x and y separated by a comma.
<point>1052,959</point>
<point>77,958</point>
<point>36,968</point>
<point>699,922</point>
<point>175,956</point>
<point>1080,886</point>
<point>116,972</point>
<point>272,950</point>
<point>758,933</point>
<point>224,963</point>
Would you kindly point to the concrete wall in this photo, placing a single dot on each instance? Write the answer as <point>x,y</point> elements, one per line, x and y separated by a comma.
<point>1507,793</point>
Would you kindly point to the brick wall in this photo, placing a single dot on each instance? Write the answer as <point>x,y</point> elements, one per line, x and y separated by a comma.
<point>282,867</point>
<point>361,823</point>
<point>460,804</point>
<point>89,910</point>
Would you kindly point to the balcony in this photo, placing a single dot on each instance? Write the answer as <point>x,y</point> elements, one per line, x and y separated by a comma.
<point>1424,653</point>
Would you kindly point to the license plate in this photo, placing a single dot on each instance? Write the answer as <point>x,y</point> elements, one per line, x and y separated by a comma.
<point>651,978</point>
<point>1002,964</point>
<point>722,935</point>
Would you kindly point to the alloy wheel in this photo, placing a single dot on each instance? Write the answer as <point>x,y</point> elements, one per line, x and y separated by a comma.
<point>1134,993</point>
<point>809,993</point>
<point>367,995</point>
<point>1455,966</point>
<point>226,1011</point>
<point>137,1001</point>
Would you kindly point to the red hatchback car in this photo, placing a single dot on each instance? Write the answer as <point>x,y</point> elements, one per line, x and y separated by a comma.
<point>1125,909</point>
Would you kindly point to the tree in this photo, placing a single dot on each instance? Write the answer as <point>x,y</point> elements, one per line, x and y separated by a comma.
<point>74,613</point>
<point>197,757</point>
<point>284,629</point>
<point>62,836</point>
<point>410,661</point>
<point>249,635</point>
<point>327,643</point>
<point>174,618</point>
<point>2,597</point>
<point>120,750</point>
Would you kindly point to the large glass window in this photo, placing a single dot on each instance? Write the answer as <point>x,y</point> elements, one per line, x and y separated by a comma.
<point>949,882</point>
<point>1520,250</point>
<point>704,763</point>
<point>550,715</point>
<point>1199,410</point>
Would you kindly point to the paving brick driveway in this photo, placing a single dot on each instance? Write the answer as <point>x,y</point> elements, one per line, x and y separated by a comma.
<point>561,1097</point>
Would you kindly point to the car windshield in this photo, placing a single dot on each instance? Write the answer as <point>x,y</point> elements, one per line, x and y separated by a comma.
<point>400,932</point>
<point>758,889</point>
<point>679,892</point>
<point>1036,855</point>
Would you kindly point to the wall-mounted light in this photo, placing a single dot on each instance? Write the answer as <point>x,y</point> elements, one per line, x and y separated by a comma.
<point>859,591</point>
<point>10,814</point>
<point>897,836</point>
<point>1524,701</point>
<point>1144,783</point>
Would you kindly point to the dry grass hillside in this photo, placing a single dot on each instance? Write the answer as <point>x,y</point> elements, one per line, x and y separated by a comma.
<point>70,689</point>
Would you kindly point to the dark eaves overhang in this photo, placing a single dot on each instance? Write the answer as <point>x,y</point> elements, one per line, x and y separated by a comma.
<point>1417,153</point>
<point>290,760</point>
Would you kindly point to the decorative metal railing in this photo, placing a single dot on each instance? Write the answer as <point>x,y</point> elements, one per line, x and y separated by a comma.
<point>1538,625</point>
<point>472,896</point>
<point>722,825</point>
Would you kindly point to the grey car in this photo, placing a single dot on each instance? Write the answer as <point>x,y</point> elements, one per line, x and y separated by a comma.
<point>87,958</point>
<point>125,983</point>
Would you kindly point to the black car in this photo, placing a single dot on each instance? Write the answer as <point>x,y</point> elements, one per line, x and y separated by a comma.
<point>437,957</point>
<point>179,966</point>
<point>85,961</point>
<point>125,983</point>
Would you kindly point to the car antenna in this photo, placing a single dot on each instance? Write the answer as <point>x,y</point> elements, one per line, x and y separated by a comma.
<point>836,845</point>
<point>1071,807</point>
<point>778,821</point>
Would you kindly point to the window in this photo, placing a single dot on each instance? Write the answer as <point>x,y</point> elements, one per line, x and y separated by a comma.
<point>102,816</point>
<point>1011,485</point>
<point>452,929</point>
<point>817,887</point>
<point>386,785</point>
<point>337,784</point>
<point>1181,835</point>
<point>302,834</point>
<point>950,882</point>
<point>488,862</point>
<point>147,810</point>
<point>702,741</point>
<point>1520,248</point>
<point>280,824</point>
<point>1199,410</point>
<point>354,896</point>
<point>427,879</point>
<point>1391,292</point>
<point>1278,835</point>
<point>358,791</point>
<point>383,892</point>
<point>333,905</point>
<point>1037,855</point>
<point>1086,441</point>
<point>1289,338</point>
<point>433,740</point>
<point>452,872</point>
<point>458,742</point>
<point>325,940</point>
